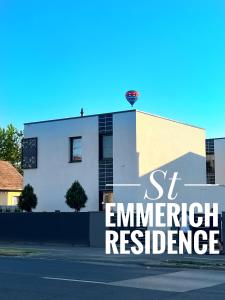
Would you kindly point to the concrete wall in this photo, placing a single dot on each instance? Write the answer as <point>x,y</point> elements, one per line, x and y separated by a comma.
<point>169,146</point>
<point>208,194</point>
<point>125,157</point>
<point>54,174</point>
<point>161,141</point>
<point>143,143</point>
<point>174,147</point>
<point>219,145</point>
<point>97,229</point>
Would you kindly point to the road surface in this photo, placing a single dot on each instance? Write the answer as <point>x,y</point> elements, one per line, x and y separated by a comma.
<point>37,278</point>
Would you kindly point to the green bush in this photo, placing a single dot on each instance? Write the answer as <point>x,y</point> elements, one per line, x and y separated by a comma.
<point>27,199</point>
<point>76,196</point>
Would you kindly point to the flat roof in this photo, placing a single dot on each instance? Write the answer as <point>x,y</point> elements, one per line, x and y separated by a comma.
<point>164,118</point>
<point>80,117</point>
<point>220,138</point>
<point>115,112</point>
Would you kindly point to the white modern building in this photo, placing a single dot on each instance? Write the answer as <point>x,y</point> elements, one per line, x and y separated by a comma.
<point>108,150</point>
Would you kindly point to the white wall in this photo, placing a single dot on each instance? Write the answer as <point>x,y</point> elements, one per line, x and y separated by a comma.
<point>125,158</point>
<point>208,194</point>
<point>55,174</point>
<point>143,143</point>
<point>219,145</point>
<point>169,146</point>
<point>172,146</point>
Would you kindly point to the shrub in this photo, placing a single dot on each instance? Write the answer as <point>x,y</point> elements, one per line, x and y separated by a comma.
<point>76,196</point>
<point>27,199</point>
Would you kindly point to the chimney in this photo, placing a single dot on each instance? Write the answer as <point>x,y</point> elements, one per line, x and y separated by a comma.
<point>82,112</point>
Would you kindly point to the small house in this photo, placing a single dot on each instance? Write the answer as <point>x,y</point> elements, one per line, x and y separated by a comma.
<point>11,184</point>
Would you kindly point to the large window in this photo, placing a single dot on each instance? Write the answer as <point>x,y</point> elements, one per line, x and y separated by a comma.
<point>210,168</point>
<point>29,153</point>
<point>106,146</point>
<point>210,164</point>
<point>76,149</point>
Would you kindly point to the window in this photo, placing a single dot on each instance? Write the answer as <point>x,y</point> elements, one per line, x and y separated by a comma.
<point>210,168</point>
<point>75,149</point>
<point>210,164</point>
<point>15,200</point>
<point>107,198</point>
<point>106,146</point>
<point>29,153</point>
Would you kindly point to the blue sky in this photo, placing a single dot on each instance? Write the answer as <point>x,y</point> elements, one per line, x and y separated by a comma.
<point>59,56</point>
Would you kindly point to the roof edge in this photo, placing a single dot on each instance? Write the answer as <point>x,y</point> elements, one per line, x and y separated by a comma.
<point>79,117</point>
<point>8,189</point>
<point>220,138</point>
<point>164,118</point>
<point>114,112</point>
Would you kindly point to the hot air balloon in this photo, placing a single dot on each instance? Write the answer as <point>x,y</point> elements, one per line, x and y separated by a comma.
<point>132,96</point>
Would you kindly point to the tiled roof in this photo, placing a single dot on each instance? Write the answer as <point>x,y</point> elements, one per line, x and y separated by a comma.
<point>10,178</point>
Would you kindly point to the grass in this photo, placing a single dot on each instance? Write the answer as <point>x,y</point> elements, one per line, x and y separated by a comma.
<point>196,264</point>
<point>17,252</point>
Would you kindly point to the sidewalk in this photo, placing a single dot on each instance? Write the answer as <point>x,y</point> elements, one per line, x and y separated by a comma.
<point>97,255</point>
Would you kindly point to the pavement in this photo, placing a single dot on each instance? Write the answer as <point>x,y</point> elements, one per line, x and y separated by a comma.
<point>87,254</point>
<point>67,272</point>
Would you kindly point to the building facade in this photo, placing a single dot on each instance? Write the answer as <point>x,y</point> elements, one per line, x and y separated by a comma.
<point>215,160</point>
<point>106,150</point>
<point>11,184</point>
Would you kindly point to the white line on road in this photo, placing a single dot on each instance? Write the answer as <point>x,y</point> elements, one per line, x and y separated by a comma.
<point>123,184</point>
<point>200,184</point>
<point>182,281</point>
<point>74,280</point>
<point>169,282</point>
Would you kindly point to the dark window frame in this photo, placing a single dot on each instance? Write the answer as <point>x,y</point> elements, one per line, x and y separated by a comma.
<point>36,154</point>
<point>101,136</point>
<point>71,139</point>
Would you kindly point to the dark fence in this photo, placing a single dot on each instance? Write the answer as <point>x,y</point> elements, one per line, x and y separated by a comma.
<point>46,227</point>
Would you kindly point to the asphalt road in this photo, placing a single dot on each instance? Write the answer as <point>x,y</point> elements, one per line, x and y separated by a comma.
<point>32,279</point>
